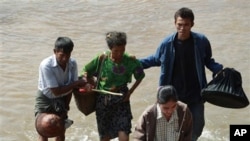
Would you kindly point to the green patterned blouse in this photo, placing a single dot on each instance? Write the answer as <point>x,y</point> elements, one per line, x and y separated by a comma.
<point>115,74</point>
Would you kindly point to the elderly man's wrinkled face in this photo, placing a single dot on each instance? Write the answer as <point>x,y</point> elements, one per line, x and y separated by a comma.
<point>61,57</point>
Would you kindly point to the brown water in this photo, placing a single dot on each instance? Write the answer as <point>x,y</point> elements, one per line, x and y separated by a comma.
<point>29,29</point>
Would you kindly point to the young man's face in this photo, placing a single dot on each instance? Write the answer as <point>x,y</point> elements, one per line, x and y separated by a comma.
<point>168,108</point>
<point>183,27</point>
<point>61,57</point>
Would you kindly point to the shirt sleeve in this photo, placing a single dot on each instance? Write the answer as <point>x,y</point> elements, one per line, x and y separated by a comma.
<point>91,67</point>
<point>154,59</point>
<point>75,71</point>
<point>139,73</point>
<point>48,76</point>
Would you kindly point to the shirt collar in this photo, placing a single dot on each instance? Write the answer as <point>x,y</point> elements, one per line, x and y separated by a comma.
<point>55,63</point>
<point>160,115</point>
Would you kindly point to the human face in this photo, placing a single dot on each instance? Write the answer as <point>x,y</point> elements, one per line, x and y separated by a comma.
<point>183,27</point>
<point>117,53</point>
<point>168,108</point>
<point>61,57</point>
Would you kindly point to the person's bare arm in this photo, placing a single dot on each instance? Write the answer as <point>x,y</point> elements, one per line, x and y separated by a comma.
<point>61,90</point>
<point>131,90</point>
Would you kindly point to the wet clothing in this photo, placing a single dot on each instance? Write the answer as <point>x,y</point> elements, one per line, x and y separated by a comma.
<point>46,105</point>
<point>112,114</point>
<point>113,118</point>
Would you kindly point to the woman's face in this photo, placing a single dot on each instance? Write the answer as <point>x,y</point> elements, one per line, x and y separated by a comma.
<point>183,27</point>
<point>168,108</point>
<point>117,53</point>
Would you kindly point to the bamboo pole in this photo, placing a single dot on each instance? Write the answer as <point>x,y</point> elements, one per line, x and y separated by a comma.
<point>107,92</point>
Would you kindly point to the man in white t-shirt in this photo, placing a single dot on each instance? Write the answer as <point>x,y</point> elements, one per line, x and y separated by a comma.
<point>58,76</point>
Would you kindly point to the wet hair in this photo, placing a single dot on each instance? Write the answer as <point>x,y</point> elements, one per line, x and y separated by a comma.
<point>166,93</point>
<point>184,13</point>
<point>115,38</point>
<point>64,44</point>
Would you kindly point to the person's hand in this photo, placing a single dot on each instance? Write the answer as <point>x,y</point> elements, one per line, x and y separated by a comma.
<point>87,88</point>
<point>127,97</point>
<point>81,83</point>
<point>215,75</point>
<point>84,78</point>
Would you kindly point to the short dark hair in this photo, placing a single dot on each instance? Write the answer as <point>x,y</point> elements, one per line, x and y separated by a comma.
<point>64,44</point>
<point>166,93</point>
<point>184,13</point>
<point>115,38</point>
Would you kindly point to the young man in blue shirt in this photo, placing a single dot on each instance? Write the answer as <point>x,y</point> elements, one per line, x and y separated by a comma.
<point>183,57</point>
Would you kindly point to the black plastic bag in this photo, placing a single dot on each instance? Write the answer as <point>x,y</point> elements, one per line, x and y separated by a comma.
<point>226,90</point>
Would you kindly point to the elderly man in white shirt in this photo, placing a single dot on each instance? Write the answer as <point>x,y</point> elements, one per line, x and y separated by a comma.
<point>58,76</point>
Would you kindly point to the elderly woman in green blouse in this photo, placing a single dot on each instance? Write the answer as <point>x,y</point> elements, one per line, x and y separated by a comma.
<point>113,113</point>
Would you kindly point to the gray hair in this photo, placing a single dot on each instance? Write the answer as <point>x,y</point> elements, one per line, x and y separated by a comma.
<point>115,38</point>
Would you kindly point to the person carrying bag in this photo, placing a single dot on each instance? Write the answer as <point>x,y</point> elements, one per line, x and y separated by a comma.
<point>84,97</point>
<point>226,90</point>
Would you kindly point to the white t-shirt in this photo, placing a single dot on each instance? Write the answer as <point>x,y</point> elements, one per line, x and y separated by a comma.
<point>51,75</point>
